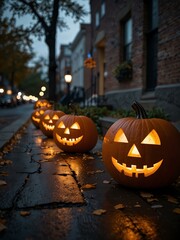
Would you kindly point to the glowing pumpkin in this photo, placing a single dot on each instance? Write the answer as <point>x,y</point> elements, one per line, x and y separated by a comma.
<point>74,133</point>
<point>42,103</point>
<point>36,116</point>
<point>48,121</point>
<point>142,153</point>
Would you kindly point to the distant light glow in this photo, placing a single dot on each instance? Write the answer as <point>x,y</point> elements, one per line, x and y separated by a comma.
<point>9,91</point>
<point>43,88</point>
<point>41,94</point>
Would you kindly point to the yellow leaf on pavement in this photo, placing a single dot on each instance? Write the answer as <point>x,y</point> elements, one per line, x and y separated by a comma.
<point>25,213</point>
<point>2,183</point>
<point>99,212</point>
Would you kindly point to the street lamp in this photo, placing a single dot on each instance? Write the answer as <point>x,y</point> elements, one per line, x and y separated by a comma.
<point>68,80</point>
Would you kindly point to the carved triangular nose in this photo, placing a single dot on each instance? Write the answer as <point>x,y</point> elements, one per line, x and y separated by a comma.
<point>66,131</point>
<point>133,152</point>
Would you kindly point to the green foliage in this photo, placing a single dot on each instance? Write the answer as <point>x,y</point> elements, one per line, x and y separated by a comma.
<point>123,71</point>
<point>95,113</point>
<point>157,113</point>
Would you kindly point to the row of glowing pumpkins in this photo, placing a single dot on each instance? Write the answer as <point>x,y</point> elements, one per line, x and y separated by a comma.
<point>138,152</point>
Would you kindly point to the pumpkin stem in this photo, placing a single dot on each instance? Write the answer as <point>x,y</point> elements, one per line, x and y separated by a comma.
<point>140,111</point>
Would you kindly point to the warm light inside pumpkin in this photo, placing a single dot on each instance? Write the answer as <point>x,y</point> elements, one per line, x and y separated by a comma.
<point>55,117</point>
<point>75,126</point>
<point>66,131</point>
<point>120,136</point>
<point>133,152</point>
<point>47,117</point>
<point>65,140</point>
<point>129,171</point>
<point>152,138</point>
<point>70,141</point>
<point>36,119</point>
<point>61,125</point>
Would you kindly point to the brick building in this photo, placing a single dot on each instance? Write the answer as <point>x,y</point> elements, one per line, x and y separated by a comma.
<point>146,33</point>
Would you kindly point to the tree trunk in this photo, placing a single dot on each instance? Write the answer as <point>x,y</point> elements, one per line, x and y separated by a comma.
<point>52,68</point>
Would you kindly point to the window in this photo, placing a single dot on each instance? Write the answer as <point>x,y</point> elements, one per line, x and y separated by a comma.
<point>103,8</point>
<point>97,19</point>
<point>127,39</point>
<point>153,14</point>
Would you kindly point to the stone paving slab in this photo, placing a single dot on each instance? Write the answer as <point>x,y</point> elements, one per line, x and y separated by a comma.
<point>49,190</point>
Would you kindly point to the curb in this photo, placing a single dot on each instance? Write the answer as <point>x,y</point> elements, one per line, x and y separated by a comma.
<point>9,132</point>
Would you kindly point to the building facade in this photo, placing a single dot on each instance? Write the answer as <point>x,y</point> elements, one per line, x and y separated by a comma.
<point>80,48</point>
<point>144,34</point>
<point>64,67</point>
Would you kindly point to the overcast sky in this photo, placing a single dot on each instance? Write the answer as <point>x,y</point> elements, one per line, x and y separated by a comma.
<point>65,37</point>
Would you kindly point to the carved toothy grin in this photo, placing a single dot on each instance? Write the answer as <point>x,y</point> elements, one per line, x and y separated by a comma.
<point>48,127</point>
<point>129,171</point>
<point>36,119</point>
<point>70,141</point>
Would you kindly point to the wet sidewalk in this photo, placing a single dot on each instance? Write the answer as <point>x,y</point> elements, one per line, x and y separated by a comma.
<point>49,194</point>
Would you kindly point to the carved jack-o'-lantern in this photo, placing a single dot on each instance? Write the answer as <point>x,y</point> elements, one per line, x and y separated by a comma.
<point>141,152</point>
<point>42,103</point>
<point>75,133</point>
<point>36,116</point>
<point>48,121</point>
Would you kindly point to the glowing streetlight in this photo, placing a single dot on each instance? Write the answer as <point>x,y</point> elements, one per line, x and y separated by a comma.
<point>41,94</point>
<point>43,88</point>
<point>68,80</point>
<point>1,90</point>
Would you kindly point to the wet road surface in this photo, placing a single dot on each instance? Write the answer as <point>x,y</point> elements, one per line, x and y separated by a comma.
<point>53,195</point>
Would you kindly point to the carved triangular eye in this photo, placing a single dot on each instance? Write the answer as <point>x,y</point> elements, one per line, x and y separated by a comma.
<point>47,117</point>
<point>61,125</point>
<point>152,138</point>
<point>120,136</point>
<point>75,126</point>
<point>55,117</point>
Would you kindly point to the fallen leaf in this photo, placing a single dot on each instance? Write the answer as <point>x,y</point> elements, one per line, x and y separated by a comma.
<point>3,183</point>
<point>146,195</point>
<point>152,200</point>
<point>63,164</point>
<point>89,186</point>
<point>176,210</point>
<point>172,200</point>
<point>157,206</point>
<point>119,206</point>
<point>25,213</point>
<point>2,227</point>
<point>5,174</point>
<point>99,212</point>
<point>44,160</point>
<point>97,171</point>
<point>5,162</point>
<point>106,181</point>
<point>86,157</point>
<point>137,205</point>
<point>98,153</point>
